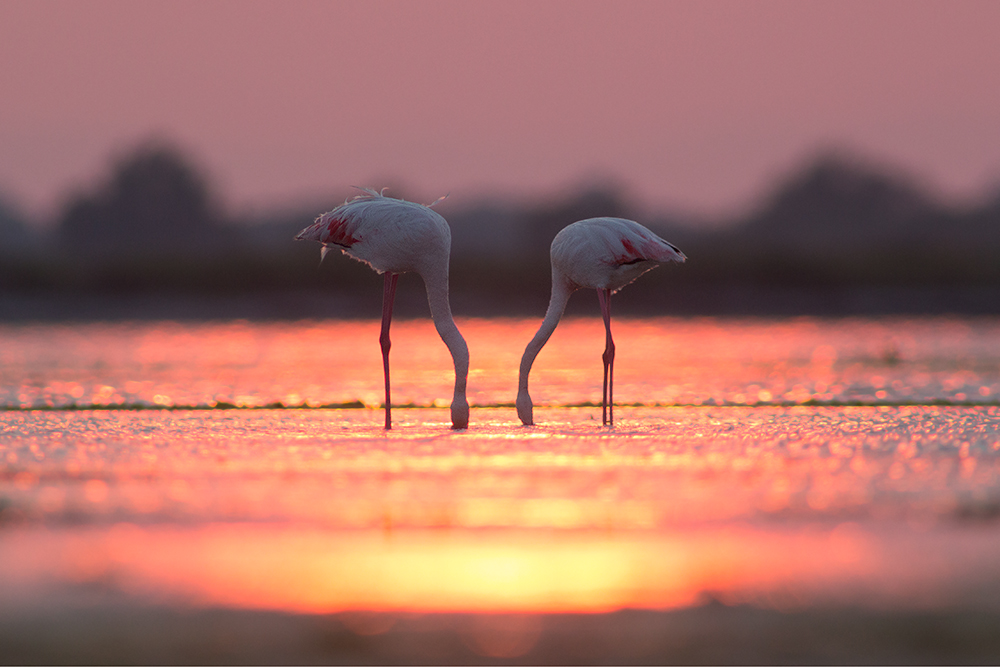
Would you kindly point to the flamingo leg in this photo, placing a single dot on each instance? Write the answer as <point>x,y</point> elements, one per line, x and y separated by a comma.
<point>607,395</point>
<point>388,297</point>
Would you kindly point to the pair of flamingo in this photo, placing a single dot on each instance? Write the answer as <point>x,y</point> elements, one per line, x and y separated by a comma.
<point>394,236</point>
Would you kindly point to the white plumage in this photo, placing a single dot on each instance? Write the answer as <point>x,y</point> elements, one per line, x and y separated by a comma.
<point>394,236</point>
<point>603,254</point>
<point>390,235</point>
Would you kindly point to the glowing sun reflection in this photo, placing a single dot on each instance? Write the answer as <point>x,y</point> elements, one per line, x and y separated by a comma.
<point>496,571</point>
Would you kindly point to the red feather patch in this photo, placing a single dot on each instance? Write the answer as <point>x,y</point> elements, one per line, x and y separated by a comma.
<point>336,233</point>
<point>630,249</point>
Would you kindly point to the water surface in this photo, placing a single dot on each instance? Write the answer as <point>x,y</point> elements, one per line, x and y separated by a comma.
<point>793,465</point>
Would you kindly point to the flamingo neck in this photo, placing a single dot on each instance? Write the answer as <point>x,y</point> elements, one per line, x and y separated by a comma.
<point>561,291</point>
<point>440,305</point>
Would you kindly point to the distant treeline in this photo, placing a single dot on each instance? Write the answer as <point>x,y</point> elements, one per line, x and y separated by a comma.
<point>837,237</point>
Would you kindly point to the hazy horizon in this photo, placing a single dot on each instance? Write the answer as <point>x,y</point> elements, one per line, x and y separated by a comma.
<point>694,107</point>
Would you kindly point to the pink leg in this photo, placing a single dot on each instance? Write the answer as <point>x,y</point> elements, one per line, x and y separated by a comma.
<point>607,398</point>
<point>388,296</point>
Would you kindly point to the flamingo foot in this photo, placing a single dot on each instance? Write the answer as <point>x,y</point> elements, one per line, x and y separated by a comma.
<point>525,409</point>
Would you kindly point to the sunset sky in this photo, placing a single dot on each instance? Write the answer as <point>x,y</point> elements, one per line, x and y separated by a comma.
<point>698,106</point>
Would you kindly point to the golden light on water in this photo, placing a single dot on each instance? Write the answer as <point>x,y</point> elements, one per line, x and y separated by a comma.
<point>660,361</point>
<point>316,571</point>
<point>724,478</point>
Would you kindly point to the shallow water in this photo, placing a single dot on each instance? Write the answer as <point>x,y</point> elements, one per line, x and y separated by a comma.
<point>786,465</point>
<point>660,361</point>
<point>817,505</point>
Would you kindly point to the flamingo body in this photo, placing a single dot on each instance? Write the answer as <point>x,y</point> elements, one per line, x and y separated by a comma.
<point>608,253</point>
<point>394,236</point>
<point>390,235</point>
<point>605,254</point>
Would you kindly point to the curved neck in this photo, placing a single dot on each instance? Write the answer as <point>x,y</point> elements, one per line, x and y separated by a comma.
<point>437,298</point>
<point>561,291</point>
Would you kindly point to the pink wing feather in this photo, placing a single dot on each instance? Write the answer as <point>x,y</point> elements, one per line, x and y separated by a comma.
<point>638,245</point>
<point>331,228</point>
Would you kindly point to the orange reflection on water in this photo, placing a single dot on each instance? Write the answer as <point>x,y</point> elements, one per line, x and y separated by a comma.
<point>663,361</point>
<point>315,571</point>
<point>659,469</point>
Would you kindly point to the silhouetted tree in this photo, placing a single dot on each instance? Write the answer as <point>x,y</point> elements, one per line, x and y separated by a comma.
<point>155,203</point>
<point>14,235</point>
<point>838,204</point>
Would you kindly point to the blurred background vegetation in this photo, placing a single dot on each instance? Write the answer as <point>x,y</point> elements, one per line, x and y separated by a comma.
<point>837,237</point>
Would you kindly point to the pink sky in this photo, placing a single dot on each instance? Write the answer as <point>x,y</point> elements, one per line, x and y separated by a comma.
<point>695,105</point>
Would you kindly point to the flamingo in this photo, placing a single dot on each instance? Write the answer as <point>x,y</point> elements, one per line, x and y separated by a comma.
<point>394,236</point>
<point>605,254</point>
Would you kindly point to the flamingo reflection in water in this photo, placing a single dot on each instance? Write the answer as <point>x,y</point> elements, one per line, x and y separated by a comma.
<point>603,254</point>
<point>394,236</point>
